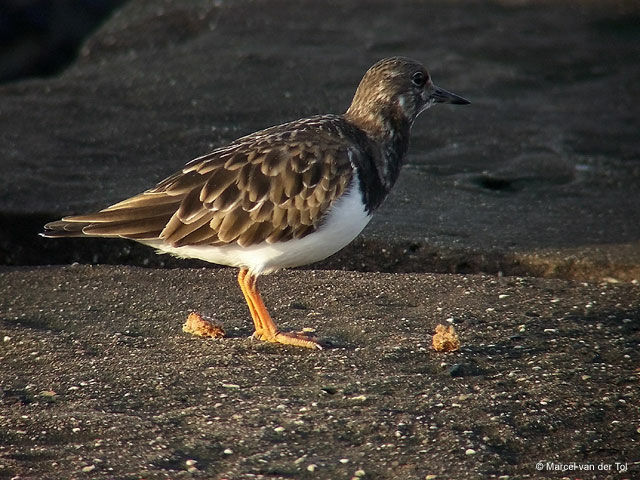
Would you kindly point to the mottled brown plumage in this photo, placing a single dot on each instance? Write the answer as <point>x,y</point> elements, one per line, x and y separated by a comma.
<point>270,186</point>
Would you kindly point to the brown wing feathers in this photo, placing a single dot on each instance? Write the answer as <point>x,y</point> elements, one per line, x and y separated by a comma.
<point>256,191</point>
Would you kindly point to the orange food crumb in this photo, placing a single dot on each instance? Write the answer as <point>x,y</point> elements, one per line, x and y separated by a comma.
<point>445,339</point>
<point>201,326</point>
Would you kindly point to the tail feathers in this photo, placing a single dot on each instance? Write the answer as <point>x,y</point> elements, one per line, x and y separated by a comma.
<point>63,228</point>
<point>107,225</point>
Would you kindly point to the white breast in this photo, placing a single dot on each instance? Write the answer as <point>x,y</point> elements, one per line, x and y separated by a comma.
<point>344,221</point>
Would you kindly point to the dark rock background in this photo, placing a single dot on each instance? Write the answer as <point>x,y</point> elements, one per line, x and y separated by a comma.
<point>539,177</point>
<point>39,38</point>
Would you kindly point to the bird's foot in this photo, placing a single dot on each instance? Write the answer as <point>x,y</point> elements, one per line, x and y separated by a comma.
<point>297,339</point>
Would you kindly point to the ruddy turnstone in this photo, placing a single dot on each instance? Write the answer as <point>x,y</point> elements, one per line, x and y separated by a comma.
<point>289,195</point>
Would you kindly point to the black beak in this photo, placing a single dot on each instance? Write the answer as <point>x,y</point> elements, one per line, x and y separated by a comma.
<point>440,95</point>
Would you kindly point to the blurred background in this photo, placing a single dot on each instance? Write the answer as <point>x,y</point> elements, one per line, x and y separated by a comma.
<point>38,38</point>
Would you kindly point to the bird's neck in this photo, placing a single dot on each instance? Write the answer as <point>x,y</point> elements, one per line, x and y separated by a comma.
<point>390,131</point>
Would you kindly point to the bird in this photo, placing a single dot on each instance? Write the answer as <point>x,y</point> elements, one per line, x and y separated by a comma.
<point>282,197</point>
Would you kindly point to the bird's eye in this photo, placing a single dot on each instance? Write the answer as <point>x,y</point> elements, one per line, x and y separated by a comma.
<point>419,79</point>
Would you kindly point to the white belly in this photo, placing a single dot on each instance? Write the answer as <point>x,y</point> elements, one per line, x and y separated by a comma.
<point>345,220</point>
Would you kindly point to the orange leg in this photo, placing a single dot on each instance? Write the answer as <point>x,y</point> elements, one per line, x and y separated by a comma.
<point>265,327</point>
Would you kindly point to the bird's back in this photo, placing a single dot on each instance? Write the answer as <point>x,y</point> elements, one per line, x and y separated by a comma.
<point>273,185</point>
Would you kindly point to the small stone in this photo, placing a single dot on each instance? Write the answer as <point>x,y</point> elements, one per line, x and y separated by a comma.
<point>190,463</point>
<point>312,467</point>
<point>359,473</point>
<point>445,339</point>
<point>344,460</point>
<point>278,429</point>
<point>202,326</point>
<point>88,468</point>
<point>359,398</point>
<point>6,338</point>
<point>430,477</point>
<point>470,451</point>
<point>228,451</point>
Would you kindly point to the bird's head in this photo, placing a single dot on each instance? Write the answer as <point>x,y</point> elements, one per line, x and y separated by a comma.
<point>396,89</point>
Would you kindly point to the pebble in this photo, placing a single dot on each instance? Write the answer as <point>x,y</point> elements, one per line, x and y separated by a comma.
<point>278,429</point>
<point>228,451</point>
<point>88,468</point>
<point>359,473</point>
<point>470,451</point>
<point>344,460</point>
<point>359,398</point>
<point>312,467</point>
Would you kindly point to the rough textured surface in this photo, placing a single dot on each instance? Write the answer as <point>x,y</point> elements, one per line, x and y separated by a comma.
<point>540,175</point>
<point>104,378</point>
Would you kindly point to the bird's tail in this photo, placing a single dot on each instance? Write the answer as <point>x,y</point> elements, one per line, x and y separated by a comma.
<point>64,228</point>
<point>138,218</point>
